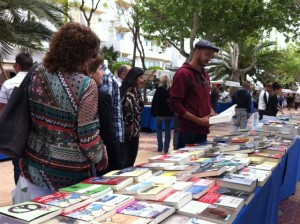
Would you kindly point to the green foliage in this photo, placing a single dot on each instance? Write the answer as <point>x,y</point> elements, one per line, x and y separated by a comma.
<point>110,55</point>
<point>266,58</point>
<point>155,67</point>
<point>217,20</point>
<point>23,24</point>
<point>117,65</point>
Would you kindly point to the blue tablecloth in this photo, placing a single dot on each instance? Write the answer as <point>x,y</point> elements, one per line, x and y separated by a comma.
<point>148,121</point>
<point>263,209</point>
<point>224,106</point>
<point>2,156</point>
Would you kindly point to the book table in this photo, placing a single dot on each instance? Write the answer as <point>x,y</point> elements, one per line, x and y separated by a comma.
<point>263,208</point>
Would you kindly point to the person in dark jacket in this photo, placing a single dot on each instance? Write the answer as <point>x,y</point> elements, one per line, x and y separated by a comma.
<point>190,96</point>
<point>214,97</point>
<point>242,98</point>
<point>107,131</point>
<point>160,109</point>
<point>273,104</point>
<point>132,106</point>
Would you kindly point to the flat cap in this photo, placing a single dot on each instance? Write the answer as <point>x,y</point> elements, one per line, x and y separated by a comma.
<point>206,44</point>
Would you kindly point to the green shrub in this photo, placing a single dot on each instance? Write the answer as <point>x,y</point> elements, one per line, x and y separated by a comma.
<point>155,67</point>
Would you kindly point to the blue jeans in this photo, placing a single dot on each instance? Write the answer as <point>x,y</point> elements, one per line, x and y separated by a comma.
<point>185,138</point>
<point>163,146</point>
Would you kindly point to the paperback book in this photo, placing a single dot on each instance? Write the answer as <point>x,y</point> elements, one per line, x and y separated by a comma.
<point>261,175</point>
<point>126,219</point>
<point>155,211</point>
<point>136,188</point>
<point>155,166</point>
<point>138,174</point>
<point>92,190</point>
<point>116,183</point>
<point>209,169</point>
<point>176,199</point>
<point>91,212</point>
<point>237,181</point>
<point>174,158</point>
<point>200,187</point>
<point>208,212</point>
<point>64,200</point>
<point>154,193</point>
<point>223,200</point>
<point>246,196</point>
<point>28,212</point>
<point>116,200</point>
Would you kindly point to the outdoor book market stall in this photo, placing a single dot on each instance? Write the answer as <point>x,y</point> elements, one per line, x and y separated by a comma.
<point>263,208</point>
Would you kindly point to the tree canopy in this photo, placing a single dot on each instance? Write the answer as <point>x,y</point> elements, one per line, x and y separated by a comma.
<point>217,20</point>
<point>25,24</point>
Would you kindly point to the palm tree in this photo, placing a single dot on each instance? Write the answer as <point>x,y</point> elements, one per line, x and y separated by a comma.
<point>25,24</point>
<point>241,59</point>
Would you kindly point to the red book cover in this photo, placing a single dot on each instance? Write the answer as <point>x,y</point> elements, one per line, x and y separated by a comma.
<point>210,198</point>
<point>105,180</point>
<point>166,196</point>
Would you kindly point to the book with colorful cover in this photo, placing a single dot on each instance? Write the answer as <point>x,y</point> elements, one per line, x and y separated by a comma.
<point>268,155</point>
<point>64,200</point>
<point>209,169</point>
<point>29,212</point>
<point>138,174</point>
<point>187,168</point>
<point>208,212</point>
<point>116,183</point>
<point>200,187</point>
<point>223,200</point>
<point>246,196</point>
<point>126,219</point>
<point>92,190</point>
<point>136,188</point>
<point>237,181</point>
<point>261,175</point>
<point>176,199</point>
<point>116,200</point>
<point>92,212</point>
<point>144,209</point>
<point>174,158</point>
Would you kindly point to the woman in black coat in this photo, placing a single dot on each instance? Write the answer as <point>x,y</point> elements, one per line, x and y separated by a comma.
<point>160,109</point>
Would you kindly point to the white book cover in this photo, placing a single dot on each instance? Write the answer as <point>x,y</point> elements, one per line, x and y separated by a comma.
<point>225,116</point>
<point>199,221</point>
<point>193,207</point>
<point>182,185</point>
<point>229,201</point>
<point>165,180</point>
<point>176,196</point>
<point>116,200</point>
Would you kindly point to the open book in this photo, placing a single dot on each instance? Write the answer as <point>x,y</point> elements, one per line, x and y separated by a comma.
<point>225,116</point>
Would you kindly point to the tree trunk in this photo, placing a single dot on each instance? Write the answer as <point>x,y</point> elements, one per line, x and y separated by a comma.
<point>134,31</point>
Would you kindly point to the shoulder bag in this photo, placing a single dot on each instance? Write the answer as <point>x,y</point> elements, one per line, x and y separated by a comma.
<point>15,121</point>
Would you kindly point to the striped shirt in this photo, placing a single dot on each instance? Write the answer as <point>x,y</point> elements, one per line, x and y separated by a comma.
<point>110,86</point>
<point>9,85</point>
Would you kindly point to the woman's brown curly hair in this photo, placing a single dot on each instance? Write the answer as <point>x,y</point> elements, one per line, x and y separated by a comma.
<point>71,48</point>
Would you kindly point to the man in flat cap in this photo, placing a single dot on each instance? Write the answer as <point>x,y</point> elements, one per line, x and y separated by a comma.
<point>190,96</point>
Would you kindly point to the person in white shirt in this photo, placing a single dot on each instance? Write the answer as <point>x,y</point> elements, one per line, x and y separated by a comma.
<point>263,100</point>
<point>23,64</point>
<point>122,73</point>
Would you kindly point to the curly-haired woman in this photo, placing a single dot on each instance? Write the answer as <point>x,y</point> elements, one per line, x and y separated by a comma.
<point>64,140</point>
<point>132,106</point>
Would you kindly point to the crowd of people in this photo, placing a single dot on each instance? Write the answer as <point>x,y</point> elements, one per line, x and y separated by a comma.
<point>86,121</point>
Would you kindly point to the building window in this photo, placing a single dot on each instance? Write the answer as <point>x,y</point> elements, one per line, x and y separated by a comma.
<point>119,36</point>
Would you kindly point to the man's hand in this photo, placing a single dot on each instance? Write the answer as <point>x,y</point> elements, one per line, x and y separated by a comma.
<point>103,164</point>
<point>204,121</point>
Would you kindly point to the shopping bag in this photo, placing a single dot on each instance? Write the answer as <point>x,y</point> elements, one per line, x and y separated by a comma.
<point>15,122</point>
<point>21,193</point>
